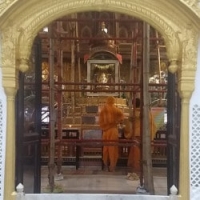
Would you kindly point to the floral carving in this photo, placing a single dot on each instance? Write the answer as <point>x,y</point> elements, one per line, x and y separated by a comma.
<point>189,48</point>
<point>8,48</point>
<point>173,46</point>
<point>24,51</point>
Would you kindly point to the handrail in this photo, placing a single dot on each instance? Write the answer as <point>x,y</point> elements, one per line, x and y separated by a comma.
<point>96,142</point>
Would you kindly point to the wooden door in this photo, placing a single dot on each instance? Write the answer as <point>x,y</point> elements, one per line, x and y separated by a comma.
<point>28,125</point>
<point>173,132</point>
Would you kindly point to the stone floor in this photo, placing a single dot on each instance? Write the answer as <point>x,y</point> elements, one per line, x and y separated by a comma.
<point>93,180</point>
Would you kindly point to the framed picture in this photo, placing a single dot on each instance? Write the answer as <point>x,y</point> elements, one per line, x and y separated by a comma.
<point>102,72</point>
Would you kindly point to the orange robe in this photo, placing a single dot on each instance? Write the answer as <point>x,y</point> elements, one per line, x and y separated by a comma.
<point>132,131</point>
<point>109,117</point>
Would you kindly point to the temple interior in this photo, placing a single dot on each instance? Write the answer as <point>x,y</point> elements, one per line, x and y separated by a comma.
<point>78,61</point>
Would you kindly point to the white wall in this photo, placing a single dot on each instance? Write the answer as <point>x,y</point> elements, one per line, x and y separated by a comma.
<point>2,132</point>
<point>194,131</point>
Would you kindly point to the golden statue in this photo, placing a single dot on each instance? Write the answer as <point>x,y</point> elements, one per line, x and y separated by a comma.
<point>102,78</point>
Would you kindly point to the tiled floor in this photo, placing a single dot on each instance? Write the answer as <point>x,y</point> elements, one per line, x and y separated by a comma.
<point>92,180</point>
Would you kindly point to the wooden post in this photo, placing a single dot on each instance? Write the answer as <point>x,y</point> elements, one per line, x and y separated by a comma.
<point>147,158</point>
<point>73,67</point>
<point>59,102</point>
<point>51,111</point>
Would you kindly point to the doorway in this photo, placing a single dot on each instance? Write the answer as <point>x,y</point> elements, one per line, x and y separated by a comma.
<point>64,73</point>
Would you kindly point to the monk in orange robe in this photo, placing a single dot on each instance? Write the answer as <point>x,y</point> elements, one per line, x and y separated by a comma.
<point>133,132</point>
<point>109,117</point>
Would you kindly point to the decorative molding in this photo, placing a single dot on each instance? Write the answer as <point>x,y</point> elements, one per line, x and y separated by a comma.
<point>5,4</point>
<point>193,5</point>
<point>45,13</point>
<point>31,22</point>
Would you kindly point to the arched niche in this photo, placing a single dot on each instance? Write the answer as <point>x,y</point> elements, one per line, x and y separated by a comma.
<point>20,21</point>
<point>25,27</point>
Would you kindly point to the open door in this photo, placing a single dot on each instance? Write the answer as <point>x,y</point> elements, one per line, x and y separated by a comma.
<point>28,124</point>
<point>173,132</point>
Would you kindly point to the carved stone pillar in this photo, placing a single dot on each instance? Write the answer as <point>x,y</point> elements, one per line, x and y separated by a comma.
<point>14,57</point>
<point>182,52</point>
<point>185,88</point>
<point>10,85</point>
<point>10,143</point>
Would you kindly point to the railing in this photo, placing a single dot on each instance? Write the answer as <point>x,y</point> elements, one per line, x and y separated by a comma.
<point>75,148</point>
<point>78,148</point>
<point>159,153</point>
<point>20,195</point>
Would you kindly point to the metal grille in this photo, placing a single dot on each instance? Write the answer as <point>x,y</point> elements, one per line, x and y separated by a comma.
<point>195,152</point>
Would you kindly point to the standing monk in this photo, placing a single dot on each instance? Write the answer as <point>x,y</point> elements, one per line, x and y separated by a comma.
<point>134,152</point>
<point>110,116</point>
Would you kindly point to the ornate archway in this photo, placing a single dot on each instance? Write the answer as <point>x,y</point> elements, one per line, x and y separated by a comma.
<point>179,29</point>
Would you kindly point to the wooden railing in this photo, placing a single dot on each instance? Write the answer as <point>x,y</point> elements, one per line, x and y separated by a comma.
<point>77,148</point>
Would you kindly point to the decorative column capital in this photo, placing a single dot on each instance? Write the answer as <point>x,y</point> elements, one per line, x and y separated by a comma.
<point>10,92</point>
<point>173,51</point>
<point>186,84</point>
<point>10,80</point>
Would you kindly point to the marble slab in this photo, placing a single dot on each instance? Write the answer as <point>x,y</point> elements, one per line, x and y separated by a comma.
<point>93,197</point>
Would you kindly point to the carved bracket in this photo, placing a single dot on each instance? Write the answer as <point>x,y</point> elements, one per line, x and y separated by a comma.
<point>173,67</point>
<point>24,50</point>
<point>23,64</point>
<point>173,51</point>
